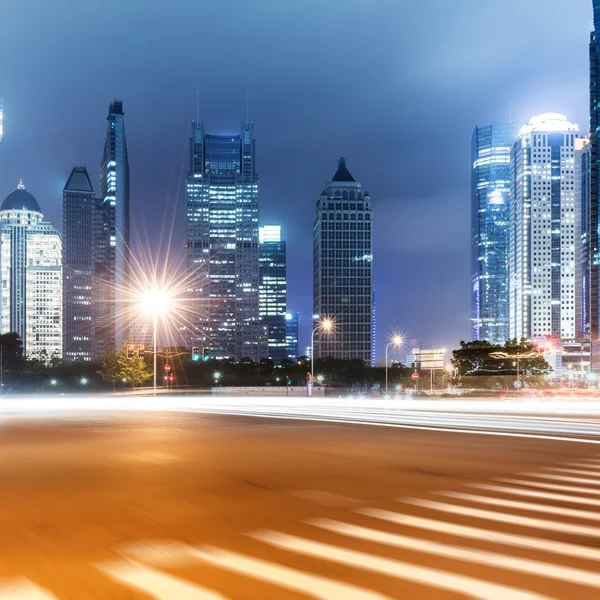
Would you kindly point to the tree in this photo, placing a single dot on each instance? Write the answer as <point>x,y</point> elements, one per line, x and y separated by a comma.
<point>133,370</point>
<point>110,369</point>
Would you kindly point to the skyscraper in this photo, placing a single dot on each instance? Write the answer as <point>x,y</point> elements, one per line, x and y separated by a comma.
<point>222,243</point>
<point>490,191</point>
<point>583,263</point>
<point>543,240</point>
<point>31,275</point>
<point>272,301</point>
<point>1,117</point>
<point>343,268</point>
<point>114,193</point>
<point>291,335</point>
<point>82,232</point>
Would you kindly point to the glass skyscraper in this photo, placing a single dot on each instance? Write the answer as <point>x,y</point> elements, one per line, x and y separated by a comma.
<point>272,301</point>
<point>544,243</point>
<point>82,231</point>
<point>343,268</point>
<point>114,193</point>
<point>490,191</point>
<point>223,245</point>
<point>291,335</point>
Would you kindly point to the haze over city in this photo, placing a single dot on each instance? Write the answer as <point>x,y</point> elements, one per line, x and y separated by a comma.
<point>391,86</point>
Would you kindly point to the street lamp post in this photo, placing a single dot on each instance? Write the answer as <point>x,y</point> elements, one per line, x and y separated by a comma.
<point>324,325</point>
<point>396,342</point>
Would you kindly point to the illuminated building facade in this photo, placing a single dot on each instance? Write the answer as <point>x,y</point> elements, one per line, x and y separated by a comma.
<point>114,194</point>
<point>82,233</point>
<point>223,245</point>
<point>343,268</point>
<point>272,302</point>
<point>583,262</point>
<point>292,321</point>
<point>544,243</point>
<point>490,191</point>
<point>31,274</point>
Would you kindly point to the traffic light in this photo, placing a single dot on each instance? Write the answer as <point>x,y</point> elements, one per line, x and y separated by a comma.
<point>141,351</point>
<point>205,354</point>
<point>129,351</point>
<point>195,353</point>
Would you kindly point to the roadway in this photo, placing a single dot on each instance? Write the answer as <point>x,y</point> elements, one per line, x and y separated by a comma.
<point>331,500</point>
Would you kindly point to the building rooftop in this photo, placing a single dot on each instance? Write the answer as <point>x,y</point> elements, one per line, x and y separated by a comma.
<point>79,181</point>
<point>20,199</point>
<point>549,122</point>
<point>342,174</point>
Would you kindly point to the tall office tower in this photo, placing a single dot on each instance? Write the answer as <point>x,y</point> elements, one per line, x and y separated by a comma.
<point>222,243</point>
<point>490,191</point>
<point>1,117</point>
<point>291,335</point>
<point>31,275</point>
<point>82,233</point>
<point>543,241</point>
<point>583,261</point>
<point>343,268</point>
<point>114,193</point>
<point>272,299</point>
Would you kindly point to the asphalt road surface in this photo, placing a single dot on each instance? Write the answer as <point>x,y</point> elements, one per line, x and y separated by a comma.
<point>196,506</point>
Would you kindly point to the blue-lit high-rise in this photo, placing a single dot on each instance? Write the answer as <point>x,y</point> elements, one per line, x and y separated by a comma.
<point>114,194</point>
<point>222,244</point>
<point>272,301</point>
<point>292,321</point>
<point>490,190</point>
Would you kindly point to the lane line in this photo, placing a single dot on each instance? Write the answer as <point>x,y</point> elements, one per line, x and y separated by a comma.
<point>551,486</point>
<point>23,589</point>
<point>543,508</point>
<point>481,557</point>
<point>314,586</point>
<point>575,471</point>
<point>568,478</point>
<point>155,583</point>
<point>505,518</point>
<point>535,494</point>
<point>484,535</point>
<point>469,586</point>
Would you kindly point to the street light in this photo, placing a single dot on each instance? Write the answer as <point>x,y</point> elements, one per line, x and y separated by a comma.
<point>155,302</point>
<point>396,341</point>
<point>325,325</point>
<point>53,382</point>
<point>84,380</point>
<point>217,376</point>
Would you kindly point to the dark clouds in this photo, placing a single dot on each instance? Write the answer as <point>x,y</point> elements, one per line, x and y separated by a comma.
<point>395,86</point>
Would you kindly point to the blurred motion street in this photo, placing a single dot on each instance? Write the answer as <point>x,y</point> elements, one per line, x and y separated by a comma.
<point>192,505</point>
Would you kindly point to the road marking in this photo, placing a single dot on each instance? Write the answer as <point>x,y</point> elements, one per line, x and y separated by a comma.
<point>23,589</point>
<point>472,588</point>
<point>314,586</point>
<point>155,583</point>
<point>575,471</point>
<point>506,518</point>
<point>482,557</point>
<point>484,535</point>
<point>552,510</point>
<point>551,486</point>
<point>562,478</point>
<point>535,494</point>
<point>324,498</point>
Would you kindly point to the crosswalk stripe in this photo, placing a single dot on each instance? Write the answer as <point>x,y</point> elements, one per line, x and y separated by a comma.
<point>535,494</point>
<point>157,584</point>
<point>554,477</point>
<point>504,518</point>
<point>482,557</point>
<point>314,586</point>
<point>544,508</point>
<point>551,486</point>
<point>484,535</point>
<point>23,589</point>
<point>469,586</point>
<point>585,472</point>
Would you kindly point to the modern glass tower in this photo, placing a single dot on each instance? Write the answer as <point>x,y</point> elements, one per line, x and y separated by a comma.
<point>223,245</point>
<point>30,275</point>
<point>583,262</point>
<point>544,243</point>
<point>343,268</point>
<point>490,191</point>
<point>292,330</point>
<point>114,193</point>
<point>272,301</point>
<point>82,231</point>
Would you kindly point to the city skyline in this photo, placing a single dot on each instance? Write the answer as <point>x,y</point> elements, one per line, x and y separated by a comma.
<point>404,197</point>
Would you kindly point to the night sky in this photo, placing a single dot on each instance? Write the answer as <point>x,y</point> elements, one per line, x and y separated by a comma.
<point>394,86</point>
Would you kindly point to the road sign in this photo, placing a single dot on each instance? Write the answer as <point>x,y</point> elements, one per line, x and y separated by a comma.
<point>167,368</point>
<point>415,377</point>
<point>518,384</point>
